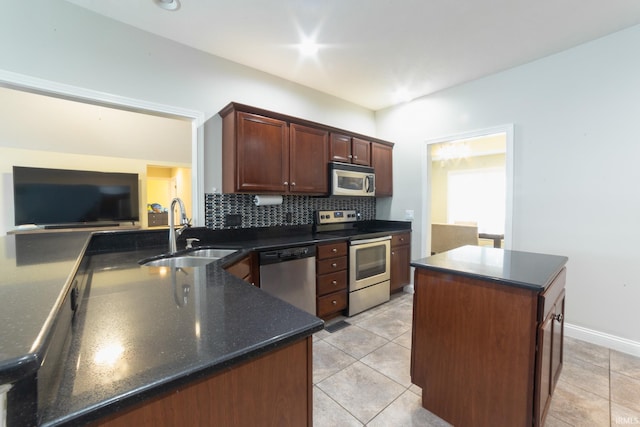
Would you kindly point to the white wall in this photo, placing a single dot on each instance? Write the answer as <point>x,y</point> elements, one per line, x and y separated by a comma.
<point>64,43</point>
<point>575,165</point>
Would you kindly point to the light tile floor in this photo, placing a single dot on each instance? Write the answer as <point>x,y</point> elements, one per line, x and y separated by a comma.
<point>361,377</point>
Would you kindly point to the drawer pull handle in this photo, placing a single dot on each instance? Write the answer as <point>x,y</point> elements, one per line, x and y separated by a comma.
<point>559,317</point>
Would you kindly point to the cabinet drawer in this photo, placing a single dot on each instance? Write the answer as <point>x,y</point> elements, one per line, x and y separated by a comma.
<point>401,239</point>
<point>331,303</point>
<point>332,282</point>
<point>332,250</point>
<point>550,295</point>
<point>331,265</point>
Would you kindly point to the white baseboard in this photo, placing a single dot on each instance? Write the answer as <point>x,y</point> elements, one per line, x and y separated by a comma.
<point>600,338</point>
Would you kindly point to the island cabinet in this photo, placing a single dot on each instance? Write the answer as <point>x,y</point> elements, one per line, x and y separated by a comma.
<point>348,149</point>
<point>272,389</point>
<point>246,268</point>
<point>262,154</point>
<point>400,259</point>
<point>382,163</point>
<point>331,279</point>
<point>487,335</point>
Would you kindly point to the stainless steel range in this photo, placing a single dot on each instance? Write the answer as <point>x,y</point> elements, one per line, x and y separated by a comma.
<point>369,258</point>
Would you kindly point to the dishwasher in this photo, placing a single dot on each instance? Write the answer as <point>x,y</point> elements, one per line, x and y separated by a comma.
<point>290,274</point>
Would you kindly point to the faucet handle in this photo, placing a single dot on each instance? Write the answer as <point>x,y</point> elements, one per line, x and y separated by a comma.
<point>190,242</point>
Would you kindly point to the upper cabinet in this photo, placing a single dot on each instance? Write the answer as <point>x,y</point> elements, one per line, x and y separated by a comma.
<point>348,149</point>
<point>382,162</point>
<point>267,152</point>
<point>309,153</point>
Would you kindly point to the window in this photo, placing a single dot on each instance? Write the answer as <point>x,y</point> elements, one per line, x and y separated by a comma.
<point>477,196</point>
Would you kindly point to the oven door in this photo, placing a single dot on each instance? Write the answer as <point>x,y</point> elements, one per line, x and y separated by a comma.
<point>369,262</point>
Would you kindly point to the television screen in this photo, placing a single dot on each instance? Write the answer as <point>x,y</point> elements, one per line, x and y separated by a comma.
<point>57,196</point>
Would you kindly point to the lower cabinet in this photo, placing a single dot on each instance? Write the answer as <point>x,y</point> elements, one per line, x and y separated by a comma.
<point>400,261</point>
<point>486,353</point>
<point>271,389</point>
<point>549,361</point>
<point>331,279</point>
<point>245,269</point>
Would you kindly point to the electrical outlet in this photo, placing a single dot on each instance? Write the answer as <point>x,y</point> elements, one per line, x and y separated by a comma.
<point>232,220</point>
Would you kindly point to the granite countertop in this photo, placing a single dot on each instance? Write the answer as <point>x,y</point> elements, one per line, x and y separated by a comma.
<point>139,330</point>
<point>514,268</point>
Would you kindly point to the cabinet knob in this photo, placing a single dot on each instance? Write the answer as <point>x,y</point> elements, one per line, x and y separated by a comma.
<point>350,156</point>
<point>334,250</point>
<point>393,253</point>
<point>334,302</point>
<point>334,265</point>
<point>355,157</point>
<point>559,317</point>
<point>293,183</point>
<point>334,282</point>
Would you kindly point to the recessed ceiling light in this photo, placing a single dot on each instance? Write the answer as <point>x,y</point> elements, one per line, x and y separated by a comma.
<point>308,47</point>
<point>171,5</point>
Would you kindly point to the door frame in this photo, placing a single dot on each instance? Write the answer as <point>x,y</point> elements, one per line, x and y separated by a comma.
<point>44,87</point>
<point>508,130</point>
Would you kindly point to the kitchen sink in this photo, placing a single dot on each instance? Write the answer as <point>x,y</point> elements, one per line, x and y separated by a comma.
<point>194,258</point>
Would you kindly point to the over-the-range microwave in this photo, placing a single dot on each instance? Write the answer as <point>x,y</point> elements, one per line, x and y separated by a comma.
<point>352,180</point>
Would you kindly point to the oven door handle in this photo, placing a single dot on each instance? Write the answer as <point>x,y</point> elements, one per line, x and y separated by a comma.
<point>374,240</point>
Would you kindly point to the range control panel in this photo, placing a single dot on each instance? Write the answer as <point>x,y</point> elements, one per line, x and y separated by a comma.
<point>336,217</point>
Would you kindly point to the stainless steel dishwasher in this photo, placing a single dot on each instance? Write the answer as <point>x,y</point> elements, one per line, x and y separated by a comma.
<point>290,274</point>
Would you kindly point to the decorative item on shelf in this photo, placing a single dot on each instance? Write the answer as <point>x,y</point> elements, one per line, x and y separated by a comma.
<point>155,208</point>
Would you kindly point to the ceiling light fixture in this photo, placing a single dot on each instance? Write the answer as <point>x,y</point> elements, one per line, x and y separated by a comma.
<point>171,5</point>
<point>308,47</point>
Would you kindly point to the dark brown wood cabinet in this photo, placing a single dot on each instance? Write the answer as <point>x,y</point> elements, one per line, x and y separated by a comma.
<point>158,219</point>
<point>331,279</point>
<point>309,152</point>
<point>486,353</point>
<point>262,154</point>
<point>255,152</point>
<point>271,389</point>
<point>550,353</point>
<point>268,152</point>
<point>245,268</point>
<point>400,259</point>
<point>382,163</point>
<point>349,149</point>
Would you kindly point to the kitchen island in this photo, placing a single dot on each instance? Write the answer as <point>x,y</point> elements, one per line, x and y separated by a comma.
<point>487,334</point>
<point>89,335</point>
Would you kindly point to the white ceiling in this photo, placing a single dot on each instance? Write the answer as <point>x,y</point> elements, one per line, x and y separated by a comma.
<point>372,48</point>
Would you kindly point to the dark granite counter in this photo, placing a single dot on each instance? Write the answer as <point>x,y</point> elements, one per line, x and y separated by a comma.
<point>138,331</point>
<point>514,268</point>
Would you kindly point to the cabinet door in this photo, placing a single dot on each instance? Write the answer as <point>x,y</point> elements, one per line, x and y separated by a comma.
<point>262,163</point>
<point>308,161</point>
<point>340,148</point>
<point>558,341</point>
<point>361,152</point>
<point>400,268</point>
<point>543,369</point>
<point>382,162</point>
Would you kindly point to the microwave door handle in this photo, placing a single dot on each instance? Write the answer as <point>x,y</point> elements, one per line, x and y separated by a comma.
<point>367,183</point>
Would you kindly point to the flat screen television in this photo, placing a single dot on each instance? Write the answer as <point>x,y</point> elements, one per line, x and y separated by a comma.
<point>59,197</point>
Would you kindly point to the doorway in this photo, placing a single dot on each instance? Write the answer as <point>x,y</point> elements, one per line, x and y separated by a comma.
<point>468,190</point>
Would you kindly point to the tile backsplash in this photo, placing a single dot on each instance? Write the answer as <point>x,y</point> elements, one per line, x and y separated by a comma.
<point>294,210</point>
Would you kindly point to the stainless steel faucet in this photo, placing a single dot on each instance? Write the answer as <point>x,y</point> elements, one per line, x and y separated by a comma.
<point>184,222</point>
